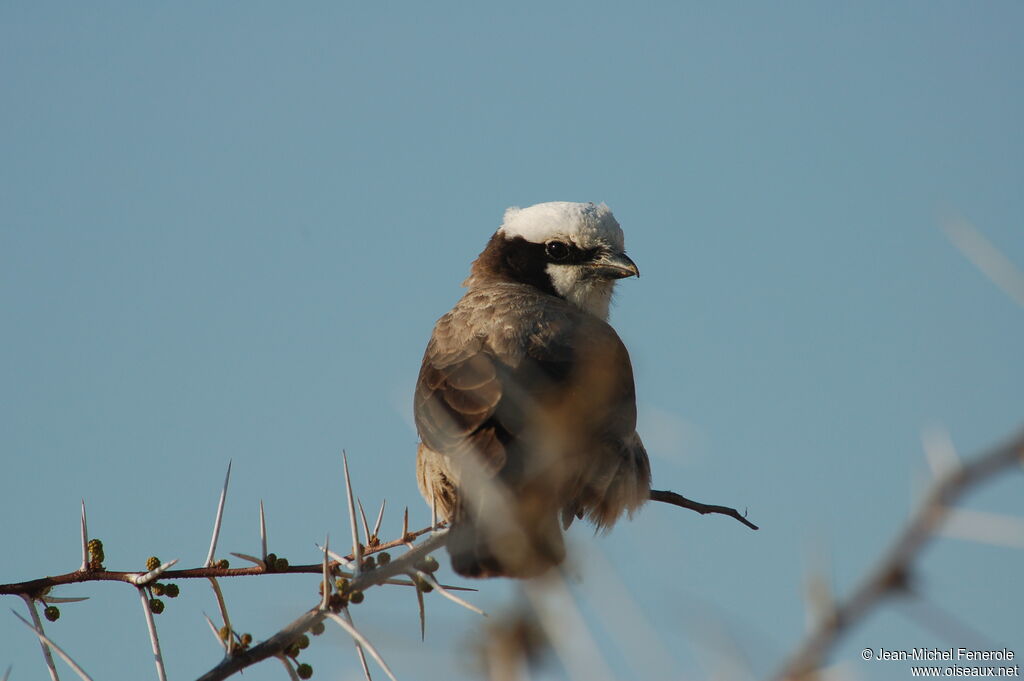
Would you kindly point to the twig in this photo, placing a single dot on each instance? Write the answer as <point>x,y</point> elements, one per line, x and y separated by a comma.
<point>892,574</point>
<point>272,647</point>
<point>681,501</point>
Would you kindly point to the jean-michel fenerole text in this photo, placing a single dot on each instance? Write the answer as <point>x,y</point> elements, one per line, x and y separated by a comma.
<point>944,654</point>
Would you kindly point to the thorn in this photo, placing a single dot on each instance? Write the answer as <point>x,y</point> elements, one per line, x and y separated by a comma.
<point>357,549</point>
<point>342,560</point>
<point>220,516</point>
<point>85,541</point>
<point>57,599</point>
<point>366,526</point>
<point>158,657</point>
<point>292,676</point>
<point>447,594</point>
<point>380,517</point>
<point>423,614</point>
<point>39,632</point>
<point>230,643</point>
<point>354,633</point>
<point>263,532</point>
<point>47,646</point>
<point>147,577</point>
<point>216,634</point>
<point>326,584</point>
<point>252,559</point>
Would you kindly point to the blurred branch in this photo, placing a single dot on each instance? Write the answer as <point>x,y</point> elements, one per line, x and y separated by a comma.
<point>987,258</point>
<point>668,497</point>
<point>892,574</point>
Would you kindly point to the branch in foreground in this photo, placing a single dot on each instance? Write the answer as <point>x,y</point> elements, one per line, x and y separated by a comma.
<point>279,642</point>
<point>892,574</point>
<point>681,501</point>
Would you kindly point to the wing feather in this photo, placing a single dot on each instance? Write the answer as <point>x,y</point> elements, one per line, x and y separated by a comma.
<point>502,352</point>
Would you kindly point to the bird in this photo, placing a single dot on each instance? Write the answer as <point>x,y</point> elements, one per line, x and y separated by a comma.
<point>525,403</point>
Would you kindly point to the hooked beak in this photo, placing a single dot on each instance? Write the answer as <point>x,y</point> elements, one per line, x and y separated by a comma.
<point>613,266</point>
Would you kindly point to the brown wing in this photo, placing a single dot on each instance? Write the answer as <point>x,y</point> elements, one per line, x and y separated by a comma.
<point>483,382</point>
<point>456,397</point>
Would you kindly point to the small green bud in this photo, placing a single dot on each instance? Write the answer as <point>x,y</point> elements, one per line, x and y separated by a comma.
<point>303,642</point>
<point>171,590</point>
<point>356,597</point>
<point>281,564</point>
<point>224,632</point>
<point>52,613</point>
<point>152,563</point>
<point>304,671</point>
<point>156,605</point>
<point>317,629</point>
<point>292,651</point>
<point>369,563</point>
<point>246,640</point>
<point>383,558</point>
<point>223,564</point>
<point>158,589</point>
<point>430,564</point>
<point>423,585</point>
<point>96,556</point>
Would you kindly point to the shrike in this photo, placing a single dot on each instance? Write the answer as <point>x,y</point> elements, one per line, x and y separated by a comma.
<point>525,404</point>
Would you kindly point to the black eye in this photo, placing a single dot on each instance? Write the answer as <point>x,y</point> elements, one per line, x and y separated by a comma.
<point>557,250</point>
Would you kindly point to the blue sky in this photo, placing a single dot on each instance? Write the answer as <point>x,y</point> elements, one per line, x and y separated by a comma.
<point>226,231</point>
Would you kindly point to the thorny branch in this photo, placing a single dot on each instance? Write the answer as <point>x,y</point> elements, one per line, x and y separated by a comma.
<point>892,575</point>
<point>358,576</point>
<point>279,642</point>
<point>38,587</point>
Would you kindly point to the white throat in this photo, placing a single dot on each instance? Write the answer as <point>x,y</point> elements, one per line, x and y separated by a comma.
<point>591,295</point>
